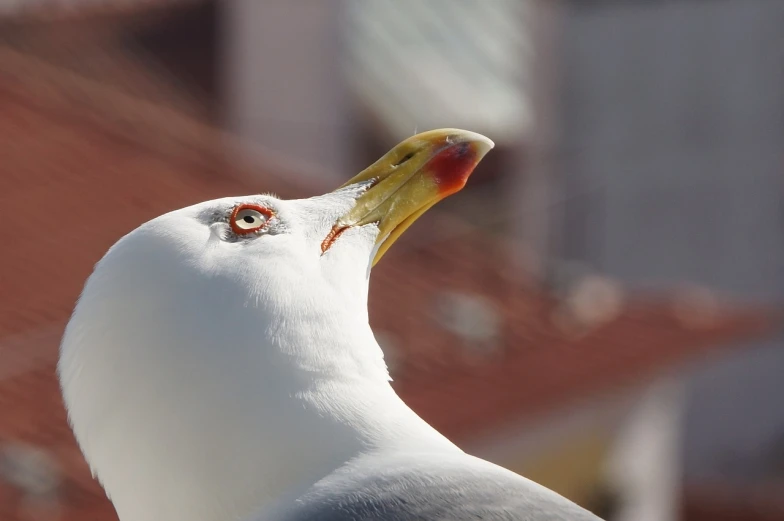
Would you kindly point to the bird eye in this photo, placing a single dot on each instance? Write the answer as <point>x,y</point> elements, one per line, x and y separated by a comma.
<point>248,218</point>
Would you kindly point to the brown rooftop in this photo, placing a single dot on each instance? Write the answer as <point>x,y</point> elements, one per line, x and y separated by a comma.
<point>727,501</point>
<point>45,10</point>
<point>536,363</point>
<point>102,162</point>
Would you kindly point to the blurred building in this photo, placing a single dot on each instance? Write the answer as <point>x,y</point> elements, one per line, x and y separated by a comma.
<point>670,125</point>
<point>644,144</point>
<point>116,111</point>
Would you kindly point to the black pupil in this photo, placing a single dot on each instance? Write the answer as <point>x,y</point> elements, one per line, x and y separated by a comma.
<point>249,219</point>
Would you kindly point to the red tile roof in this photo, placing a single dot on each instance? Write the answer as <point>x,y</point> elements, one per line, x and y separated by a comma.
<point>33,414</point>
<point>536,365</point>
<point>105,58</point>
<point>59,9</point>
<point>725,501</point>
<point>103,162</point>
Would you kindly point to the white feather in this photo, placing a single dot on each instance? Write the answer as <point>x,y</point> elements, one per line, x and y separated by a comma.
<point>206,378</point>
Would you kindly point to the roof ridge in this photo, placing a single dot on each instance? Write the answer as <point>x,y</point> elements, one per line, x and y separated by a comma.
<point>176,135</point>
<point>55,11</point>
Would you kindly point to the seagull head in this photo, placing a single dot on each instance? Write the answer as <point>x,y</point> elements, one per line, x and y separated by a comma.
<point>214,340</point>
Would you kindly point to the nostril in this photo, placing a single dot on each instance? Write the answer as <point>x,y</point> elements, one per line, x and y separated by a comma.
<point>404,159</point>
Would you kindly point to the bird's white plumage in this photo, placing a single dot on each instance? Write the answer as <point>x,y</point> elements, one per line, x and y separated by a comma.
<point>212,377</point>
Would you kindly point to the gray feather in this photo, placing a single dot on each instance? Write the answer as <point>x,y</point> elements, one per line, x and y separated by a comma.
<point>441,486</point>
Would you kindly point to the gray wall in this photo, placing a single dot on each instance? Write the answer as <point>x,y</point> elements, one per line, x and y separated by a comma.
<point>282,84</point>
<point>671,162</point>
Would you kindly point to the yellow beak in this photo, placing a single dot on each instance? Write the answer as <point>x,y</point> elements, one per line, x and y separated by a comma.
<point>409,179</point>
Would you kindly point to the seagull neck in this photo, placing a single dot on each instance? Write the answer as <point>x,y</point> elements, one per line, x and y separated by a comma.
<point>233,433</point>
<point>346,385</point>
<point>346,381</point>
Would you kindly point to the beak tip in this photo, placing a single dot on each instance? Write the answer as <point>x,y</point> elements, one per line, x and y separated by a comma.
<point>481,144</point>
<point>486,142</point>
<point>403,190</point>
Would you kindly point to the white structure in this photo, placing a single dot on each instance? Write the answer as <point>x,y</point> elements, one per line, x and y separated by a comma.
<point>670,164</point>
<point>628,442</point>
<point>645,465</point>
<point>440,63</point>
<point>282,84</point>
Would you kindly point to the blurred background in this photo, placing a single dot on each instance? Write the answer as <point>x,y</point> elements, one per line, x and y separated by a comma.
<point>598,310</point>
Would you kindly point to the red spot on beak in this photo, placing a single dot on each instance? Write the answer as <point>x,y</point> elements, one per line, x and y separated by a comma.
<point>451,167</point>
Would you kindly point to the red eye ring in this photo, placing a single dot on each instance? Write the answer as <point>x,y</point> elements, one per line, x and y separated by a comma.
<point>253,212</point>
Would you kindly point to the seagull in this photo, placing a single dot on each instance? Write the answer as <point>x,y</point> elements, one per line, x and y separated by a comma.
<point>219,364</point>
